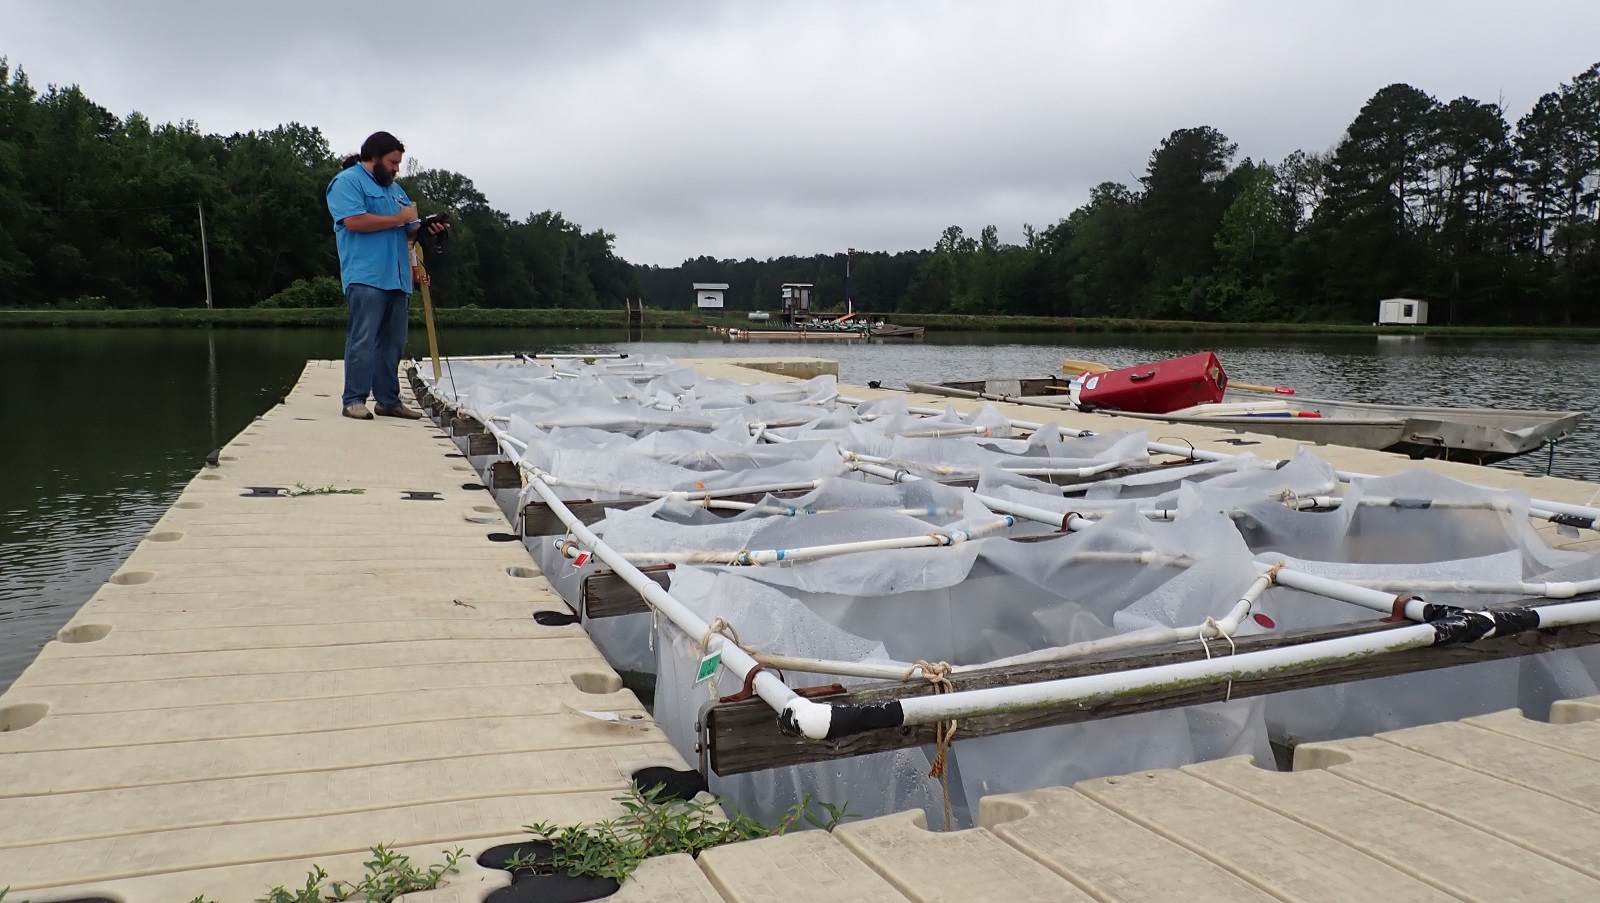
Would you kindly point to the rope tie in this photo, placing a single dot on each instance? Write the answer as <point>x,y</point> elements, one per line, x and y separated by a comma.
<point>1211,624</point>
<point>944,732</point>
<point>720,627</point>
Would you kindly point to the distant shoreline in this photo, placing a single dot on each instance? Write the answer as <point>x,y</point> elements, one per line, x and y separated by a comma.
<point>556,318</point>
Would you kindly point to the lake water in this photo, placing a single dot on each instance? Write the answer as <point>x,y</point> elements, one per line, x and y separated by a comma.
<point>109,425</point>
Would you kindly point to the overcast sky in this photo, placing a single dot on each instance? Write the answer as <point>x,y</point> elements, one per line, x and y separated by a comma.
<point>742,129</point>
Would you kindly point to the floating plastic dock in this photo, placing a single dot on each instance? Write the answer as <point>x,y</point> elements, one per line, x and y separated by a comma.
<point>286,673</point>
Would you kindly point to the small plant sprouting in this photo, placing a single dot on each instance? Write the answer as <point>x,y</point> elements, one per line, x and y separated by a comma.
<point>388,876</point>
<point>311,893</point>
<point>651,826</point>
<point>521,860</point>
<point>391,874</point>
<point>300,489</point>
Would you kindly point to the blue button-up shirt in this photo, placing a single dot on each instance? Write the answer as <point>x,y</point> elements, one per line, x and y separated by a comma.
<point>378,259</point>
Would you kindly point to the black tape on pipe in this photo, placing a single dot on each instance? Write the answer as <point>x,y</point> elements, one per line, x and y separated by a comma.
<point>1572,520</point>
<point>1471,626</point>
<point>1432,612</point>
<point>850,719</point>
<point>1412,504</point>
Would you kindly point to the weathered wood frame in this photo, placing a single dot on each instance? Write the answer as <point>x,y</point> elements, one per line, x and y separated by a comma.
<point>743,736</point>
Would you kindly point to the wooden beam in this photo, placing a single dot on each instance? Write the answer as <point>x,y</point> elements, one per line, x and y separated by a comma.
<point>605,595</point>
<point>539,520</point>
<point>482,444</point>
<point>744,735</point>
<point>504,475</point>
<point>462,426</point>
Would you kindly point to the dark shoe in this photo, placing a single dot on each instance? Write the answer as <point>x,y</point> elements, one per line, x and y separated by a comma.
<point>357,412</point>
<point>400,411</point>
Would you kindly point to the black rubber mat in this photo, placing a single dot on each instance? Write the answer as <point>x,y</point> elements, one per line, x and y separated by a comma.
<point>675,784</point>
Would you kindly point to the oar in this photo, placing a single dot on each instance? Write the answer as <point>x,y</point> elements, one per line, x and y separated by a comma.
<point>1071,366</point>
<point>1257,387</point>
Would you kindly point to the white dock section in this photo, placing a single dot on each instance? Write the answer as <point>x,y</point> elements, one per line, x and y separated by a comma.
<point>270,682</point>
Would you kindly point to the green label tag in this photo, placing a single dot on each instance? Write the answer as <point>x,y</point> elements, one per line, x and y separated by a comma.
<point>708,666</point>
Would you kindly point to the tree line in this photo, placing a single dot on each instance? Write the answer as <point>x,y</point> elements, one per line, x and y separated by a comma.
<point>101,211</point>
<point>1447,201</point>
<point>1443,201</point>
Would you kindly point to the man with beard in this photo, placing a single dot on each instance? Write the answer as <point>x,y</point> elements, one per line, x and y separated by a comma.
<point>372,218</point>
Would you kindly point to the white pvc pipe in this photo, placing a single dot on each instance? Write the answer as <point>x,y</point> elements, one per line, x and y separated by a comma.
<point>830,550</point>
<point>942,432</point>
<point>736,660</point>
<point>690,495</point>
<point>609,356</point>
<point>783,511</point>
<point>963,470</point>
<point>1321,586</point>
<point>765,684</point>
<point>814,719</point>
<point>1556,590</point>
<point>1544,508</point>
<point>1150,636</point>
<point>1348,592</point>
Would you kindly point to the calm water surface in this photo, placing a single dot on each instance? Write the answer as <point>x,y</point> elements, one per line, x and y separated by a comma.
<point>109,425</point>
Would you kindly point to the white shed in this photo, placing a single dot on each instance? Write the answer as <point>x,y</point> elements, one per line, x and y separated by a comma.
<point>709,294</point>
<point>1402,311</point>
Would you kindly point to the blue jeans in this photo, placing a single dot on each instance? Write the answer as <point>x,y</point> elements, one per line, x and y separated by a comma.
<point>373,345</point>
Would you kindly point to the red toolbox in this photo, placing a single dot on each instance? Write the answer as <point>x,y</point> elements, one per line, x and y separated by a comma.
<point>1157,388</point>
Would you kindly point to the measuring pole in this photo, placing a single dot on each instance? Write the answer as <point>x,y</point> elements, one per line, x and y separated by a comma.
<point>427,311</point>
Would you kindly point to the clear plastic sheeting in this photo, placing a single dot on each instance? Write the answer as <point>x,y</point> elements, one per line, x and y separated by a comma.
<point>870,537</point>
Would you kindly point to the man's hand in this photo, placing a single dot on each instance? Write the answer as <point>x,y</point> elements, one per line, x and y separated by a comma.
<point>377,222</point>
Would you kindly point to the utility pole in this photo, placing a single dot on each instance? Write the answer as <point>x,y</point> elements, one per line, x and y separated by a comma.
<point>205,254</point>
<point>849,300</point>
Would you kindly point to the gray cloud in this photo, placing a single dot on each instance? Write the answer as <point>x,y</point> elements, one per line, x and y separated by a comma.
<point>745,129</point>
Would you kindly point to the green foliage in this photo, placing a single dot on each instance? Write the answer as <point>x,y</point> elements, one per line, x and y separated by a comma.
<point>1440,200</point>
<point>84,302</point>
<point>389,875</point>
<point>108,208</point>
<point>320,291</point>
<point>300,489</point>
<point>310,892</point>
<point>651,826</point>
